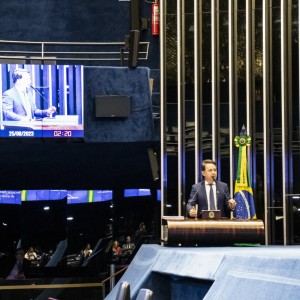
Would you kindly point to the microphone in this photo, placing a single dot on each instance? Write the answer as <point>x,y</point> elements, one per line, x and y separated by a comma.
<point>227,197</point>
<point>196,206</point>
<point>195,193</point>
<point>215,180</point>
<point>42,96</point>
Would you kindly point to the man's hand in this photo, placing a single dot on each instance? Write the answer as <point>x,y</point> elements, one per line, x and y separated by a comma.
<point>51,110</point>
<point>232,204</point>
<point>193,212</point>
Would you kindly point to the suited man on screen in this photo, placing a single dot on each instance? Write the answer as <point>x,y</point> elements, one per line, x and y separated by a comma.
<point>17,102</point>
<point>201,192</point>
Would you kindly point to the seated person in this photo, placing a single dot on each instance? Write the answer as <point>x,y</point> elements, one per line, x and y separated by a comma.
<point>140,232</point>
<point>30,254</point>
<point>15,268</point>
<point>87,251</point>
<point>17,102</point>
<point>116,250</point>
<point>128,246</point>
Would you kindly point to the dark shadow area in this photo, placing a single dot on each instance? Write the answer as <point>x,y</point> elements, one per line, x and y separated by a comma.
<point>43,224</point>
<point>172,286</point>
<point>75,165</point>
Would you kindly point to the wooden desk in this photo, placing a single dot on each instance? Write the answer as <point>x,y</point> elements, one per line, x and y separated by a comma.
<point>224,232</point>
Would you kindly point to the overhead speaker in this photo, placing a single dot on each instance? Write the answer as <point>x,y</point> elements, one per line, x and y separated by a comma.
<point>154,164</point>
<point>112,106</point>
<point>134,42</point>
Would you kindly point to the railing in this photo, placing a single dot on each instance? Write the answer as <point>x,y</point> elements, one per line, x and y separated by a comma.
<point>68,51</point>
<point>38,284</point>
<point>41,288</point>
<point>111,279</point>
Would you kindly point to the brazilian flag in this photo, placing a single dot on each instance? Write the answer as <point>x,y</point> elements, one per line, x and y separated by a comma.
<point>243,194</point>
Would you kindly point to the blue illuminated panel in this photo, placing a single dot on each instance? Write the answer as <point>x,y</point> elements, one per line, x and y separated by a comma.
<point>73,196</point>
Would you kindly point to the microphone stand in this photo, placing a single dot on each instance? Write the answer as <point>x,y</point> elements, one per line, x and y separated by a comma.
<point>36,90</point>
<point>42,96</point>
<point>228,198</point>
<point>196,206</point>
<point>196,218</point>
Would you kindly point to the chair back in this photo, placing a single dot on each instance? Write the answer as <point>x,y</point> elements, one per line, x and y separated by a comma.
<point>123,291</point>
<point>145,294</point>
<point>58,254</point>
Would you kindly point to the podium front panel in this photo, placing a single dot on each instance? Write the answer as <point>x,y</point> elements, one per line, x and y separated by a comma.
<point>222,232</point>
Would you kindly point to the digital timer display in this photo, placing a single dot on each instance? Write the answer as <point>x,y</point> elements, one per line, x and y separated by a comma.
<point>62,133</point>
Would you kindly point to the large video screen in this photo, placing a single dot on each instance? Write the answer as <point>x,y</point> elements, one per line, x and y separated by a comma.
<point>43,101</point>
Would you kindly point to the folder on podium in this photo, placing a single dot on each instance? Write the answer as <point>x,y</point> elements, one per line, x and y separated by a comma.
<point>211,214</point>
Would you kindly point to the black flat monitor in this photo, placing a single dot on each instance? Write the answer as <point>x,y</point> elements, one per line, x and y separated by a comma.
<point>112,106</point>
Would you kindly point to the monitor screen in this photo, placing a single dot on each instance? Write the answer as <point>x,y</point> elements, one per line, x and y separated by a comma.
<point>43,101</point>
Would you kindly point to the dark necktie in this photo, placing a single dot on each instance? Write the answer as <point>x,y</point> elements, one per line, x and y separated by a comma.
<point>19,267</point>
<point>212,198</point>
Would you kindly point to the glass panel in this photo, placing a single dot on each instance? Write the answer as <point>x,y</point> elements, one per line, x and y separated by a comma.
<point>293,211</point>
<point>295,100</point>
<point>206,83</point>
<point>275,106</point>
<point>257,138</point>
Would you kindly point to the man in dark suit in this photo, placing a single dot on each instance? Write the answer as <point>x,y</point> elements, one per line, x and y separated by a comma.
<point>15,268</point>
<point>17,102</point>
<point>209,194</point>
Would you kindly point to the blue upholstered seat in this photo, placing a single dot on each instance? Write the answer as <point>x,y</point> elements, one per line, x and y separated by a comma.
<point>145,294</point>
<point>123,291</point>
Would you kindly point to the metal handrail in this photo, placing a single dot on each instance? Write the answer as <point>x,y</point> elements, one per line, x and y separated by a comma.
<point>110,278</point>
<point>62,285</point>
<point>35,286</point>
<point>68,51</point>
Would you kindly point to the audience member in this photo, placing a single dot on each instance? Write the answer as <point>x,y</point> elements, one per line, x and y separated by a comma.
<point>141,231</point>
<point>128,247</point>
<point>87,251</point>
<point>15,268</point>
<point>116,250</point>
<point>31,254</point>
<point>109,230</point>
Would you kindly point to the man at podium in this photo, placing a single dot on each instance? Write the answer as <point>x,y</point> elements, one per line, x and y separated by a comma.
<point>209,194</point>
<point>17,102</point>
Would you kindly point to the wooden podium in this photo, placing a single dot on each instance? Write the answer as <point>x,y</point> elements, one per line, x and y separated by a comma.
<point>223,232</point>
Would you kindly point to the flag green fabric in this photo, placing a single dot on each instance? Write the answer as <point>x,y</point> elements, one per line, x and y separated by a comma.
<point>243,193</point>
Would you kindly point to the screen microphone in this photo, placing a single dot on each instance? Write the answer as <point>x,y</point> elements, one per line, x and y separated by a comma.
<point>37,91</point>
